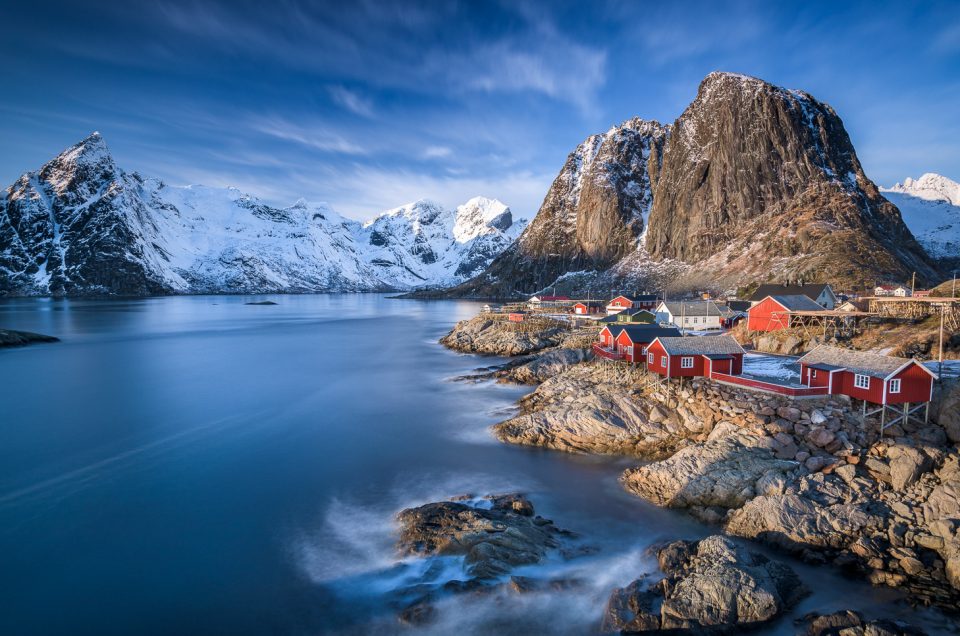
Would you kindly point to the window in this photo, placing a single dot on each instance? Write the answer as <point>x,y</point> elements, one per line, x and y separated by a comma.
<point>861,381</point>
<point>686,362</point>
<point>629,351</point>
<point>663,361</point>
<point>813,373</point>
<point>649,358</point>
<point>895,385</point>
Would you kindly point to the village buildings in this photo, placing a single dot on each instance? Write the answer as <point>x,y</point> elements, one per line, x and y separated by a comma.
<point>644,301</point>
<point>701,356</point>
<point>820,293</point>
<point>701,315</point>
<point>774,313</point>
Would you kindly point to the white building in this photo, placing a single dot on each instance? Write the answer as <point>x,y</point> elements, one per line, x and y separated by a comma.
<point>693,315</point>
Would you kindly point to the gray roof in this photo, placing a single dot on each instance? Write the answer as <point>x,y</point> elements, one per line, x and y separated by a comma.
<point>701,345</point>
<point>797,302</point>
<point>872,364</point>
<point>810,291</point>
<point>697,308</point>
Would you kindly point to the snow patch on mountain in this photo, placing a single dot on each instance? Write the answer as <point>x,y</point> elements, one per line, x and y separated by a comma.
<point>930,207</point>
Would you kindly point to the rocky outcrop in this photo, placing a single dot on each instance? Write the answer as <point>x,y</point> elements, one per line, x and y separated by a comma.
<point>595,408</point>
<point>545,366</point>
<point>722,473</point>
<point>892,517</point>
<point>946,406</point>
<point>709,586</point>
<point>11,338</point>
<point>494,335</point>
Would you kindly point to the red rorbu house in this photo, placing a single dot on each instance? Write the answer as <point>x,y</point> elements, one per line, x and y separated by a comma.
<point>629,342</point>
<point>585,307</point>
<point>870,377</point>
<point>620,303</point>
<point>773,312</point>
<point>699,356</point>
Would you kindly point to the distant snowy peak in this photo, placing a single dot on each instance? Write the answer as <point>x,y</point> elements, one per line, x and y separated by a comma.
<point>930,207</point>
<point>480,216</point>
<point>931,187</point>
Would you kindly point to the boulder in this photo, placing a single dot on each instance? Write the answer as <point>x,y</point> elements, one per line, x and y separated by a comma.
<point>721,472</point>
<point>906,465</point>
<point>488,335</point>
<point>711,585</point>
<point>850,623</point>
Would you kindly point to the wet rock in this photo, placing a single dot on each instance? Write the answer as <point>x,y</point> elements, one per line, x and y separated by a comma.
<point>711,585</point>
<point>11,338</point>
<point>493,540</point>
<point>850,623</point>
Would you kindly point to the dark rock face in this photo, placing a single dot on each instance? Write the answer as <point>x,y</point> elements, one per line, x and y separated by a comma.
<point>710,586</point>
<point>752,182</point>
<point>850,623</point>
<point>591,217</point>
<point>771,172</point>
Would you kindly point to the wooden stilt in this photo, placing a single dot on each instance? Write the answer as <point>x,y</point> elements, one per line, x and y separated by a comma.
<point>926,413</point>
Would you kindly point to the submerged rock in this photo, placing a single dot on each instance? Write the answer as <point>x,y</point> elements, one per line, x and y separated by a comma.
<point>496,336</point>
<point>709,586</point>
<point>850,623</point>
<point>11,338</point>
<point>261,302</point>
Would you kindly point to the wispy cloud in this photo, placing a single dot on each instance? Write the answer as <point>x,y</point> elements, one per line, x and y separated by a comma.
<point>352,101</point>
<point>315,137</point>
<point>437,152</point>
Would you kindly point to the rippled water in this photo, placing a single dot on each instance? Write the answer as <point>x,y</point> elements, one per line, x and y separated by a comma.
<point>199,465</point>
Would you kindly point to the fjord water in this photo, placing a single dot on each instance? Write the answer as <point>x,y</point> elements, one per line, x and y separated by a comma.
<point>198,465</point>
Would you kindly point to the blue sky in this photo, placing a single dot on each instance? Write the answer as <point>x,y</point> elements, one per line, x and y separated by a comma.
<point>369,105</point>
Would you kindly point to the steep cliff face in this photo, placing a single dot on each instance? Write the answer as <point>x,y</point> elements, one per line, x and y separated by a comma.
<point>592,217</point>
<point>758,179</point>
<point>752,182</point>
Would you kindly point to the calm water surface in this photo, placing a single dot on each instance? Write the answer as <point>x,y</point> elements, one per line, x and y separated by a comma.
<point>202,466</point>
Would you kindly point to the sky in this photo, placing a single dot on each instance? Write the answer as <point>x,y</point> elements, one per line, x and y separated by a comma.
<point>370,105</point>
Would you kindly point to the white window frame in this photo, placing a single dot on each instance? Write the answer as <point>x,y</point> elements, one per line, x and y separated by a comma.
<point>686,362</point>
<point>813,373</point>
<point>663,361</point>
<point>894,385</point>
<point>861,381</point>
<point>650,358</point>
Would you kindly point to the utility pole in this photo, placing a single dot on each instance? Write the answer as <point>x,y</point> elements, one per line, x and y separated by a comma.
<point>943,310</point>
<point>913,284</point>
<point>953,293</point>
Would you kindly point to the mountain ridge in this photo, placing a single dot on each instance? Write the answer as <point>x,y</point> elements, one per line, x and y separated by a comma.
<point>752,182</point>
<point>80,226</point>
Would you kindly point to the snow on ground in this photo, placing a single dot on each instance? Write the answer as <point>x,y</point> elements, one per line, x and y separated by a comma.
<point>780,369</point>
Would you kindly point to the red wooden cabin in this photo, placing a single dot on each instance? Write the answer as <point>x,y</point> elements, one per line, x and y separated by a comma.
<point>632,340</point>
<point>870,377</point>
<point>677,357</point>
<point>773,312</point>
<point>589,307</point>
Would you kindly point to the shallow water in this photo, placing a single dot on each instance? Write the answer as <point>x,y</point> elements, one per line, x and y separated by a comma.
<point>198,465</point>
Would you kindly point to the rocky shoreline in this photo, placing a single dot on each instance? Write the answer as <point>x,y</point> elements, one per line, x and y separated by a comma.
<point>11,338</point>
<point>808,477</point>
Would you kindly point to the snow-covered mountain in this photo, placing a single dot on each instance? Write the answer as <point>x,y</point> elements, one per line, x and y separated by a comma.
<point>81,225</point>
<point>930,206</point>
<point>422,243</point>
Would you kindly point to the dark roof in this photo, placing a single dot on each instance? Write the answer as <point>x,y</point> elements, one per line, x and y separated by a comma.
<point>591,303</point>
<point>645,298</point>
<point>701,345</point>
<point>635,312</point>
<point>810,291</point>
<point>645,333</point>
<point>797,302</point>
<point>738,305</point>
<point>610,319</point>
<point>872,364</point>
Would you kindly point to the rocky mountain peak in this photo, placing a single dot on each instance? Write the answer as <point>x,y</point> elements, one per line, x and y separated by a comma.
<point>86,163</point>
